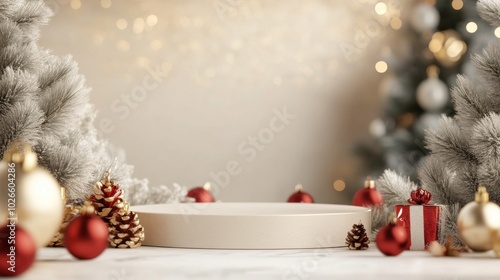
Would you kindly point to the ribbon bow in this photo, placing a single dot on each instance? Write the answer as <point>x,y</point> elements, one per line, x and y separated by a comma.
<point>420,197</point>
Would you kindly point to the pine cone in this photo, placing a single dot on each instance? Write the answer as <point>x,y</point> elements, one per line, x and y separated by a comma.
<point>125,231</point>
<point>70,212</point>
<point>107,198</point>
<point>357,239</point>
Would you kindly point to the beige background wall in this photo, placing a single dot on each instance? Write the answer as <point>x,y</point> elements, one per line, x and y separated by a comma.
<point>182,94</point>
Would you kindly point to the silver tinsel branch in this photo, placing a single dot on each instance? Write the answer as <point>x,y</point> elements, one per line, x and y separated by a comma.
<point>465,149</point>
<point>44,102</point>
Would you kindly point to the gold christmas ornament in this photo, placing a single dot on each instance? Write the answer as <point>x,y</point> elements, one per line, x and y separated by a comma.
<point>32,196</point>
<point>479,221</point>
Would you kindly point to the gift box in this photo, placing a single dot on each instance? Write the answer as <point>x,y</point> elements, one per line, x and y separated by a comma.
<point>421,223</point>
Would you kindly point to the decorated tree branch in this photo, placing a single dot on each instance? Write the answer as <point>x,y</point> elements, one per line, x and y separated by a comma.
<point>464,149</point>
<point>44,102</point>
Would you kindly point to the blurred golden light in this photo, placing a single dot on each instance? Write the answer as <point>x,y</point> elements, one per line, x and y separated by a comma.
<point>436,43</point>
<point>457,4</point>
<point>138,25</point>
<point>121,23</point>
<point>381,66</point>
<point>471,27</point>
<point>432,72</point>
<point>380,8</point>
<point>151,20</point>
<point>106,4</point>
<point>447,47</point>
<point>455,49</point>
<point>156,45</point>
<point>339,185</point>
<point>497,32</point>
<point>75,4</point>
<point>396,23</point>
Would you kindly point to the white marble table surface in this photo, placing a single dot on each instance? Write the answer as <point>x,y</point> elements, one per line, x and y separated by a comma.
<point>147,263</point>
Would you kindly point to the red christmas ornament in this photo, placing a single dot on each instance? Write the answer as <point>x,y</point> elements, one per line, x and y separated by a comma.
<point>17,250</point>
<point>392,239</point>
<point>201,194</point>
<point>368,195</point>
<point>299,196</point>
<point>420,197</point>
<point>87,235</point>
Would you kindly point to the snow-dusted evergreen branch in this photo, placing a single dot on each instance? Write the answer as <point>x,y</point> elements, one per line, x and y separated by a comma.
<point>488,68</point>
<point>470,104</point>
<point>489,11</point>
<point>485,138</point>
<point>395,188</point>
<point>449,143</point>
<point>437,180</point>
<point>489,175</point>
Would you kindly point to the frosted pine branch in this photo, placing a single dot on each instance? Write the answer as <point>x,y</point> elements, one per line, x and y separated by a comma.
<point>488,66</point>
<point>437,180</point>
<point>485,138</point>
<point>448,142</point>
<point>489,11</point>
<point>449,216</point>
<point>394,188</point>
<point>466,183</point>
<point>15,87</point>
<point>21,121</point>
<point>489,175</point>
<point>470,104</point>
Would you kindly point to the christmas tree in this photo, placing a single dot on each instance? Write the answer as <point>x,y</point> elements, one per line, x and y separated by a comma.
<point>465,148</point>
<point>44,102</point>
<point>432,47</point>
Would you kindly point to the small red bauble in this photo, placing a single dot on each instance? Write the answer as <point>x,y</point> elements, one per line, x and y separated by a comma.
<point>392,239</point>
<point>87,235</point>
<point>368,195</point>
<point>201,194</point>
<point>17,250</point>
<point>300,197</point>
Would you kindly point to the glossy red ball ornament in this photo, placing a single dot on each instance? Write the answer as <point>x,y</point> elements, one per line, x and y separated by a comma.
<point>17,250</point>
<point>300,196</point>
<point>201,194</point>
<point>392,239</point>
<point>87,235</point>
<point>368,195</point>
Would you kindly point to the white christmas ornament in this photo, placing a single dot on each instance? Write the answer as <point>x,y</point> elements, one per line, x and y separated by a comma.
<point>377,128</point>
<point>424,17</point>
<point>31,195</point>
<point>432,95</point>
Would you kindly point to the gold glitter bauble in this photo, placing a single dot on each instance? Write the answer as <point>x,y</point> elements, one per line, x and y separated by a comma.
<point>478,222</point>
<point>31,196</point>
